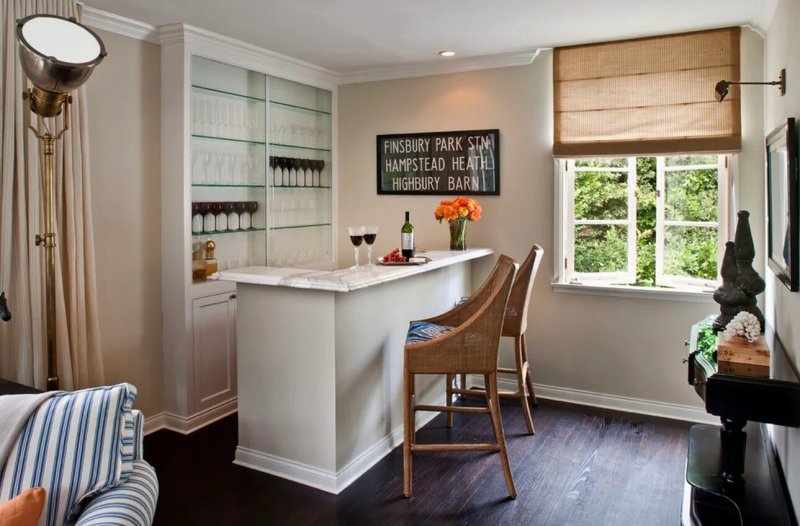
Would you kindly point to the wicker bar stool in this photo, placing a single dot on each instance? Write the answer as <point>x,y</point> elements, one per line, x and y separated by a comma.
<point>514,325</point>
<point>462,340</point>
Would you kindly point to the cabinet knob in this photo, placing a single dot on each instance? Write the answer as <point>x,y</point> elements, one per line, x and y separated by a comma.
<point>233,296</point>
<point>686,343</point>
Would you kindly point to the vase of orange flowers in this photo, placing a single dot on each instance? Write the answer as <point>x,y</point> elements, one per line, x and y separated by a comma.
<point>457,212</point>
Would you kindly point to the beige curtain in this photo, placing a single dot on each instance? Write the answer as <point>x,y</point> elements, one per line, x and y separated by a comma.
<point>22,340</point>
<point>647,96</point>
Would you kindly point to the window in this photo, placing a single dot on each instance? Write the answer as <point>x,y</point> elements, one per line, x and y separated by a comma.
<point>647,221</point>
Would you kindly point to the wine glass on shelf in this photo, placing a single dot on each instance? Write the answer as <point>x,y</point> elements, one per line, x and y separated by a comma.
<point>321,167</point>
<point>252,207</point>
<point>244,216</point>
<point>302,175</point>
<point>229,207</point>
<point>221,220</point>
<point>296,168</point>
<point>209,219</point>
<point>272,165</point>
<point>370,233</point>
<point>356,238</point>
<point>197,218</point>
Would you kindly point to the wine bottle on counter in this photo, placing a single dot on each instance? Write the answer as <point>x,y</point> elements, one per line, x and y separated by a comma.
<point>407,238</point>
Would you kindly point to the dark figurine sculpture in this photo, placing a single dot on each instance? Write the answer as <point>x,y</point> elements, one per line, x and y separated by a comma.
<point>748,279</point>
<point>5,314</point>
<point>729,296</point>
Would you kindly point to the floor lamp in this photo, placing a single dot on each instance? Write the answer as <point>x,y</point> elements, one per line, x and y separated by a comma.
<point>57,54</point>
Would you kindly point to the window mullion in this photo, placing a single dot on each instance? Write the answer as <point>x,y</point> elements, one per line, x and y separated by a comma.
<point>569,216</point>
<point>660,217</point>
<point>632,234</point>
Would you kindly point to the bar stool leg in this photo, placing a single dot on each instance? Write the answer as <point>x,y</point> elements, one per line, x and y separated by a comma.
<point>408,431</point>
<point>449,417</point>
<point>462,384</point>
<point>493,401</point>
<point>528,377</point>
<point>522,372</point>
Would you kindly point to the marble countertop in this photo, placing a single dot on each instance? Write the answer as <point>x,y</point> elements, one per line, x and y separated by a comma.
<point>345,280</point>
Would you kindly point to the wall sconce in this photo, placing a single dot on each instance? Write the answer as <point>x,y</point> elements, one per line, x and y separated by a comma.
<point>721,90</point>
<point>57,54</point>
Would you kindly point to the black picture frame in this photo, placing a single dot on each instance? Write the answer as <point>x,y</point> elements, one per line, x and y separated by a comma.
<point>782,201</point>
<point>463,162</point>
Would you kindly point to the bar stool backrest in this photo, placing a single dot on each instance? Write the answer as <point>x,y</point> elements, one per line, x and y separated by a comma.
<point>516,318</point>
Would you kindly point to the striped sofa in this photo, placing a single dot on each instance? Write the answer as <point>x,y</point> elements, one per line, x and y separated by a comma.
<point>85,449</point>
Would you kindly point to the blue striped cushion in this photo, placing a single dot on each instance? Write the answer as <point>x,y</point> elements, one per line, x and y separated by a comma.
<point>71,446</point>
<point>132,503</point>
<point>423,331</point>
<point>138,434</point>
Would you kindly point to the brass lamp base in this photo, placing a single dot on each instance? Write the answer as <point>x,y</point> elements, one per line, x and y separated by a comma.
<point>46,103</point>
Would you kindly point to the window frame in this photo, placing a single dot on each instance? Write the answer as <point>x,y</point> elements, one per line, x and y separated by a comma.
<point>565,228</point>
<point>723,189</point>
<point>629,275</point>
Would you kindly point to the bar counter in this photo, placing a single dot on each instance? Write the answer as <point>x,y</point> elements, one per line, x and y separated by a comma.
<point>320,362</point>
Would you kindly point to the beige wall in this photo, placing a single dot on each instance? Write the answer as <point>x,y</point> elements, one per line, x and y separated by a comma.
<point>613,346</point>
<point>781,51</point>
<point>126,200</point>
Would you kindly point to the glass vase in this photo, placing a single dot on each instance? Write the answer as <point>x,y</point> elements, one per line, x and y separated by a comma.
<point>458,235</point>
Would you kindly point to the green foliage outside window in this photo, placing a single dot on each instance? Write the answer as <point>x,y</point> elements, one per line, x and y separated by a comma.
<point>691,196</point>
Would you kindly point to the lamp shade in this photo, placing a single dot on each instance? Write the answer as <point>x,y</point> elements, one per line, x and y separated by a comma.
<point>58,55</point>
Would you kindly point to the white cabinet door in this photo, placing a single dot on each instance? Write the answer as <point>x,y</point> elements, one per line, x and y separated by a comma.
<point>214,321</point>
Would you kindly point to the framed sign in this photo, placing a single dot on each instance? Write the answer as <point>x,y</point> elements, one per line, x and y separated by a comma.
<point>782,197</point>
<point>454,162</point>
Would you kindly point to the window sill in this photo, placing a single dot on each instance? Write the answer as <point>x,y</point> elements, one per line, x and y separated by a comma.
<point>695,295</point>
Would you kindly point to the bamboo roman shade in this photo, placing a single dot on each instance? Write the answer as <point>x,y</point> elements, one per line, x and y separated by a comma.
<point>647,96</point>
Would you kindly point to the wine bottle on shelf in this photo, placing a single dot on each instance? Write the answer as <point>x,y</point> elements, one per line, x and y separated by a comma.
<point>407,238</point>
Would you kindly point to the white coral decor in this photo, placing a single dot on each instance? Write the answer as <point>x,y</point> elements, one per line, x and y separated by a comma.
<point>744,325</point>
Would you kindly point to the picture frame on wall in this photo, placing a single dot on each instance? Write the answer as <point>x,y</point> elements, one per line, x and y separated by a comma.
<point>782,204</point>
<point>465,162</point>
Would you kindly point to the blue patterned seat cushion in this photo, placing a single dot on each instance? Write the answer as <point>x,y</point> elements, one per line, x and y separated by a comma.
<point>423,331</point>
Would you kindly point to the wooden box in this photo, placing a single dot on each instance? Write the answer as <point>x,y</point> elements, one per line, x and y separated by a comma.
<point>740,351</point>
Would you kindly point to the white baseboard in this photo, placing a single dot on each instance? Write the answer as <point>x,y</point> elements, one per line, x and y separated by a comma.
<point>608,401</point>
<point>325,480</point>
<point>188,424</point>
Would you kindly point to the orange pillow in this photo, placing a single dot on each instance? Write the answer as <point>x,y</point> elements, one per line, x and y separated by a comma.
<point>24,509</point>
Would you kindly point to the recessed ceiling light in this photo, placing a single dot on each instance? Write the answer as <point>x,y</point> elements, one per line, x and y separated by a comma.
<point>447,53</point>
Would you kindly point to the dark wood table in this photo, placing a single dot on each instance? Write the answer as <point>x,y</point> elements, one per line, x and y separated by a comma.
<point>9,387</point>
<point>733,471</point>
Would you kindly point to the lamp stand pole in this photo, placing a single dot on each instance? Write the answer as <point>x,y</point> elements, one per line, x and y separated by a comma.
<point>47,146</point>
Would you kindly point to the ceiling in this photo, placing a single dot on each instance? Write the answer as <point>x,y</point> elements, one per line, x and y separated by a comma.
<point>349,36</point>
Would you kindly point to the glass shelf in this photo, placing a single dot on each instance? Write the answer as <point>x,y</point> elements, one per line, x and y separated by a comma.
<point>221,232</point>
<point>228,93</point>
<point>228,139</point>
<point>295,107</point>
<point>211,185</point>
<point>310,187</point>
<point>299,226</point>
<point>277,145</point>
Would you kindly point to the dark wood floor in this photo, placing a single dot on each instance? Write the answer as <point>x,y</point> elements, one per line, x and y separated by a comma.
<point>584,466</point>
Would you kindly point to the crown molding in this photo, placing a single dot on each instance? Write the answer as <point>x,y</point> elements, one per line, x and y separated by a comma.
<point>763,18</point>
<point>293,68</point>
<point>440,68</point>
<point>128,27</point>
<point>244,53</point>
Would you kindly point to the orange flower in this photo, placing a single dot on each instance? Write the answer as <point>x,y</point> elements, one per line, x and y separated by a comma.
<point>460,208</point>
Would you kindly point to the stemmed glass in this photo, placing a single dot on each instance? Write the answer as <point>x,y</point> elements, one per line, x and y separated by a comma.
<point>370,233</point>
<point>272,164</point>
<point>229,207</point>
<point>356,237</point>
<point>282,175</point>
<point>244,217</point>
<point>320,166</point>
<point>197,218</point>
<point>297,174</point>
<point>307,178</point>
<point>252,206</point>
